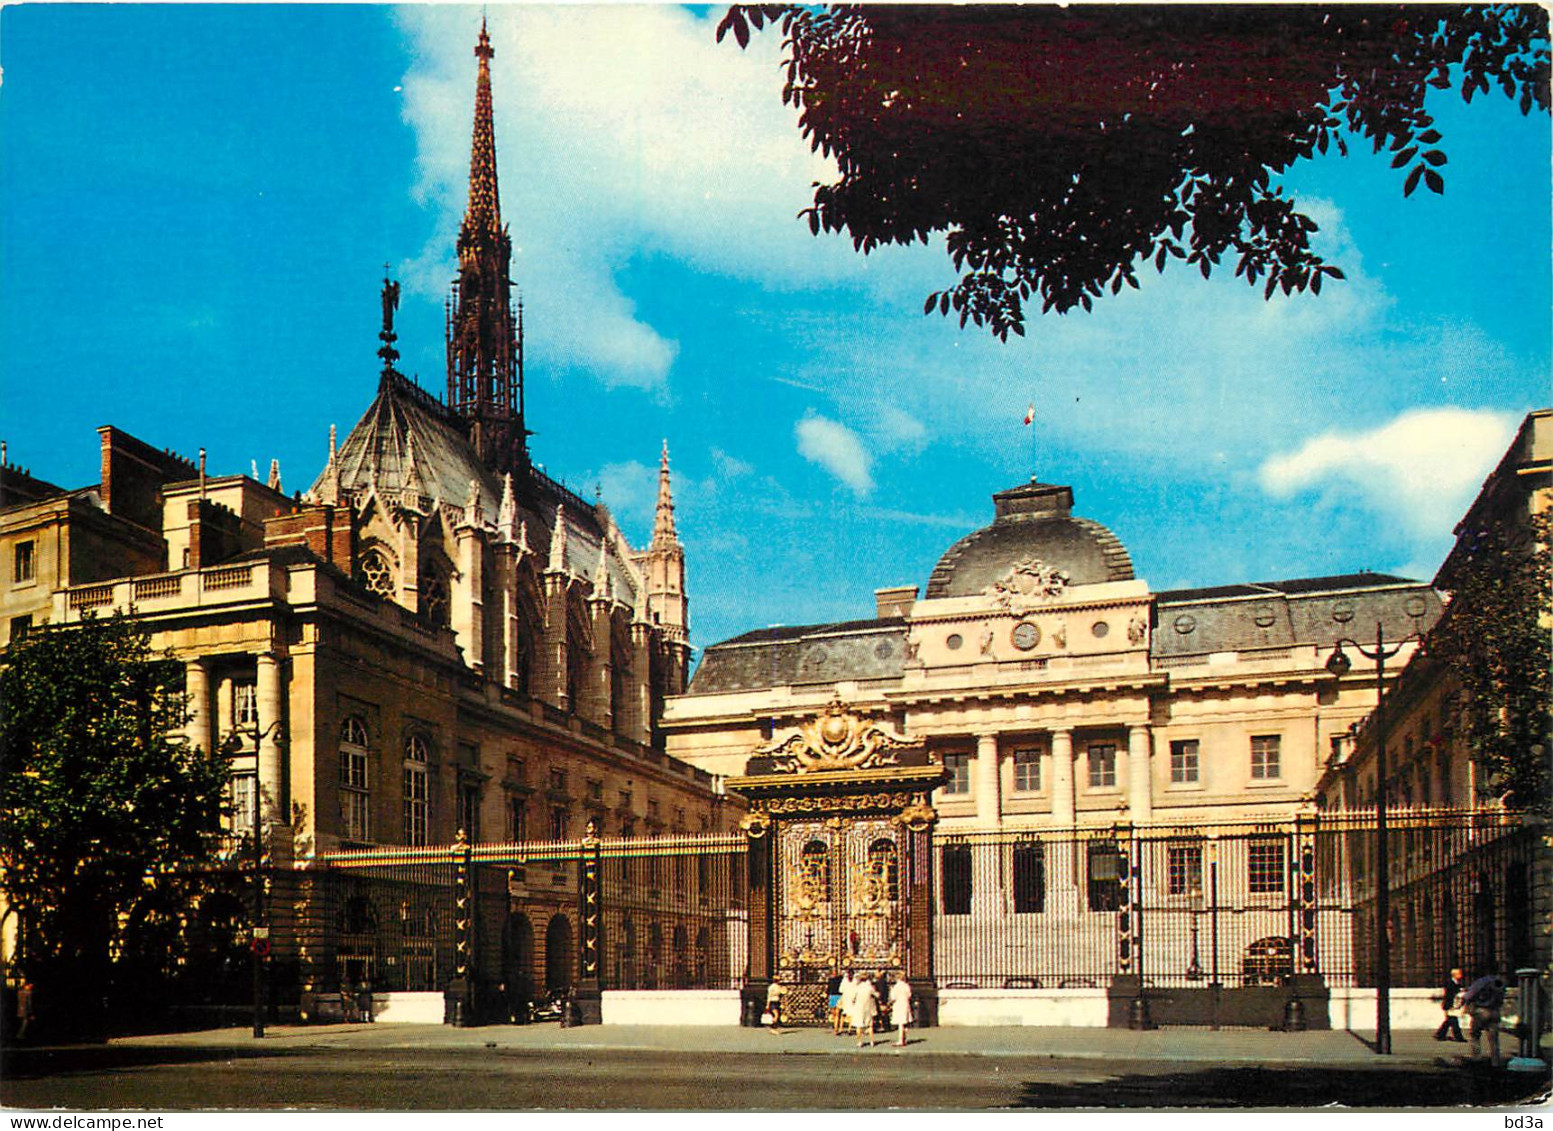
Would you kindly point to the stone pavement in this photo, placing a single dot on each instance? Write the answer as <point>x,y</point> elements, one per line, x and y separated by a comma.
<point>1174,1044</point>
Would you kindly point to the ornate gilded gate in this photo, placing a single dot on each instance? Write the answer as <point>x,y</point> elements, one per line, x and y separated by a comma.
<point>840,826</point>
<point>840,904</point>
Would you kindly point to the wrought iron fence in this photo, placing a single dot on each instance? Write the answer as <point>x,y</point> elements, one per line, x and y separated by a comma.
<point>1230,905</point>
<point>1235,904</point>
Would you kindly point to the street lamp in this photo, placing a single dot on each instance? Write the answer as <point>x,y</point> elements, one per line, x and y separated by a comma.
<point>1339,665</point>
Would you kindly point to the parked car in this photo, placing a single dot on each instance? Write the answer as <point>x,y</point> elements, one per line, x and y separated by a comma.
<point>1268,962</point>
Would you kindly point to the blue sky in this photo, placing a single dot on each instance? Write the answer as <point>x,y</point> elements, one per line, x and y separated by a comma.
<point>196,204</point>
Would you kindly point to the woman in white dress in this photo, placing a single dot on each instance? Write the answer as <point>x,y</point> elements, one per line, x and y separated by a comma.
<point>900,1009</point>
<point>865,1008</point>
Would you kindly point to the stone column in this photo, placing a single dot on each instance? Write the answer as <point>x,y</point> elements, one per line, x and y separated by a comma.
<point>272,738</point>
<point>1063,803</point>
<point>1062,870</point>
<point>989,801</point>
<point>197,684</point>
<point>1140,778</point>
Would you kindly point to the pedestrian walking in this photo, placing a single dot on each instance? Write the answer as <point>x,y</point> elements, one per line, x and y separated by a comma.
<point>900,1009</point>
<point>833,1000</point>
<point>774,994</point>
<point>24,1012</point>
<point>844,1001</point>
<point>1484,999</point>
<point>1455,982</point>
<point>865,1009</point>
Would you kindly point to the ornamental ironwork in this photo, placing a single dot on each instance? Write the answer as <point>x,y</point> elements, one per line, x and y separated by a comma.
<point>835,740</point>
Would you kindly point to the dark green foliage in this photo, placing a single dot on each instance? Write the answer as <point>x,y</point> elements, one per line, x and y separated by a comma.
<point>96,793</point>
<point>1062,149</point>
<point>1496,639</point>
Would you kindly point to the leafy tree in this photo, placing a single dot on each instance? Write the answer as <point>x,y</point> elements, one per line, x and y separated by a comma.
<point>1495,639</point>
<point>96,792</point>
<point>1061,149</point>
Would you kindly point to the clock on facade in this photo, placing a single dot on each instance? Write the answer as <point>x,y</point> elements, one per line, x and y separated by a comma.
<point>1026,636</point>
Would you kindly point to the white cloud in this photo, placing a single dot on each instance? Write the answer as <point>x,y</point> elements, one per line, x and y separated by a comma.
<point>620,129</point>
<point>837,449</point>
<point>1420,469</point>
<point>730,467</point>
<point>630,490</point>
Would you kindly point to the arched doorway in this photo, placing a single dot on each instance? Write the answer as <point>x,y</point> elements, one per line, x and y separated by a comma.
<point>517,947</point>
<point>558,955</point>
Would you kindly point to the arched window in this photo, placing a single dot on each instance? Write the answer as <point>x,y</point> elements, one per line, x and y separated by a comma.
<point>433,599</point>
<point>376,574</point>
<point>576,665</point>
<point>884,865</point>
<point>416,805</point>
<point>355,798</point>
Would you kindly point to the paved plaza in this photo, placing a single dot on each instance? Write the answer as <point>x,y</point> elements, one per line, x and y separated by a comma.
<point>545,1067</point>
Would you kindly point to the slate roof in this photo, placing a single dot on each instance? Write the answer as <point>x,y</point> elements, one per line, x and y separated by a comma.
<point>1225,618</point>
<point>407,436</point>
<point>816,653</point>
<point>1280,614</point>
<point>1033,520</point>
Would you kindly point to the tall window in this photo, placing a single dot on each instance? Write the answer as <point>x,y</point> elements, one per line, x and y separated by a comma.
<point>959,767</point>
<point>558,823</point>
<point>242,804</point>
<point>1102,766</point>
<point>517,819</point>
<point>1105,873</point>
<point>1027,770</point>
<point>1029,878</point>
<point>355,801</point>
<point>24,564</point>
<point>245,703</point>
<point>1183,761</point>
<point>955,861</point>
<point>469,809</point>
<point>1264,867</point>
<point>1264,757</point>
<point>416,809</point>
<point>1183,869</point>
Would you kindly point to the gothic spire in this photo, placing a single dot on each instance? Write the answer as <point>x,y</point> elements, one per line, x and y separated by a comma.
<point>484,209</point>
<point>663,520</point>
<point>484,347</point>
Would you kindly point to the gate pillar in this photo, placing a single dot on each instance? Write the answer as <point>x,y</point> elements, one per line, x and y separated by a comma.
<point>752,997</point>
<point>919,955</point>
<point>588,997</point>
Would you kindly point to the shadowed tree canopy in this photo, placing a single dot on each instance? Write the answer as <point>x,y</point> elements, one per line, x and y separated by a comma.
<point>1495,639</point>
<point>1061,150</point>
<point>96,792</point>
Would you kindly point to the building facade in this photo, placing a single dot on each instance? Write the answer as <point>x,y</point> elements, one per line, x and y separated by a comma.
<point>1092,729</point>
<point>1469,880</point>
<point>435,641</point>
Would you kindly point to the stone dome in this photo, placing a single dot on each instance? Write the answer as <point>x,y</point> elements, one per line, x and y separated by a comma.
<point>1033,521</point>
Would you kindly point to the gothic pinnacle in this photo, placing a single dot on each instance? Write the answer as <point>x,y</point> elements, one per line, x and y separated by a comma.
<point>663,519</point>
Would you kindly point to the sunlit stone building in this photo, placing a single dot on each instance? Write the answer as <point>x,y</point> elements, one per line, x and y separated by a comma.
<point>434,639</point>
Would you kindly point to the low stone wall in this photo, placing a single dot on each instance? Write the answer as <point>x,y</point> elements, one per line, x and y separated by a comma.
<point>671,1007</point>
<point>1076,1009</point>
<point>1411,1008</point>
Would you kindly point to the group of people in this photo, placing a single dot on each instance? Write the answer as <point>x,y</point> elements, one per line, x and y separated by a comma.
<point>1480,1003</point>
<point>857,1002</point>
